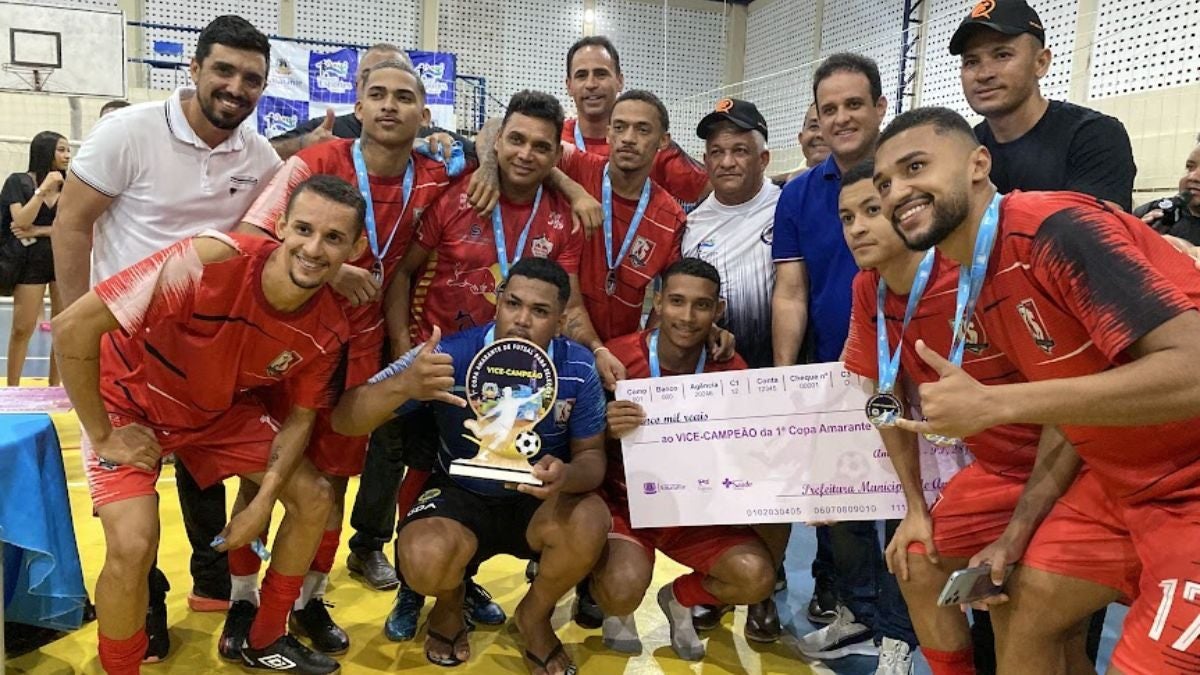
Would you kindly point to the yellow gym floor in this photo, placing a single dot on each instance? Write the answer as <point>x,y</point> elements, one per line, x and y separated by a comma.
<point>361,612</point>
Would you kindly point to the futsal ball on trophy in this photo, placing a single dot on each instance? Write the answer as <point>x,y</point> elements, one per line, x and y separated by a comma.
<point>529,444</point>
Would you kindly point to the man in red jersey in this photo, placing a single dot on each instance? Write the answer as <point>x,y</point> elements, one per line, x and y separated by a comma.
<point>731,563</point>
<point>643,226</point>
<point>594,80</point>
<point>1098,313</point>
<point>992,507</point>
<point>167,356</point>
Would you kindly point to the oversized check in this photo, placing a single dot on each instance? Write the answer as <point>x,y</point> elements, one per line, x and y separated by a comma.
<point>768,445</point>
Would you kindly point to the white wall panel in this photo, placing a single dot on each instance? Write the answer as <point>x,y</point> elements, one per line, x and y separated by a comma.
<point>363,22</point>
<point>780,58</point>
<point>264,14</point>
<point>870,28</point>
<point>1143,45</point>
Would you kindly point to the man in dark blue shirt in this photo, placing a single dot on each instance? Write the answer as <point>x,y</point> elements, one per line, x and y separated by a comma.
<point>814,274</point>
<point>457,521</point>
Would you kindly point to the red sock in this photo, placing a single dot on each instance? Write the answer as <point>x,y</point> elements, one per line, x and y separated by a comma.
<point>278,594</point>
<point>961,662</point>
<point>689,591</point>
<point>326,551</point>
<point>410,489</point>
<point>244,561</point>
<point>123,657</point>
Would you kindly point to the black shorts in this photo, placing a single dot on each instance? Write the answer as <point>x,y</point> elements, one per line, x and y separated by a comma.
<point>417,435</point>
<point>34,263</point>
<point>498,523</point>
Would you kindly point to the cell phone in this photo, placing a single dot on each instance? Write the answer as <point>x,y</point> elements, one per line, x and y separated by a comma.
<point>968,585</point>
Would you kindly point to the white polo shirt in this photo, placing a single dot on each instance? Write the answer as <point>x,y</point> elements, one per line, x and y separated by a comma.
<point>165,182</point>
<point>737,241</point>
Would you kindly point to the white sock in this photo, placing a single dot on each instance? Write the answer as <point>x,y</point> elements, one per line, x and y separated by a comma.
<point>684,639</point>
<point>314,587</point>
<point>244,587</point>
<point>621,634</point>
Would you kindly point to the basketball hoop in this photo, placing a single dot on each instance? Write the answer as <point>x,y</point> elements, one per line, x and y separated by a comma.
<point>35,77</point>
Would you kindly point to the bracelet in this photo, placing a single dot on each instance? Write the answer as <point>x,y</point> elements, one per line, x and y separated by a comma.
<point>597,350</point>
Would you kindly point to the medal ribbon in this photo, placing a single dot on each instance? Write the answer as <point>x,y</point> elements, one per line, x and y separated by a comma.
<point>655,370</point>
<point>606,201</point>
<point>579,138</point>
<point>970,281</point>
<point>498,235</point>
<point>364,187</point>
<point>889,361</point>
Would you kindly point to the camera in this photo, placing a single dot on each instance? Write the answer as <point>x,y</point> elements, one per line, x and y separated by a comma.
<point>1172,210</point>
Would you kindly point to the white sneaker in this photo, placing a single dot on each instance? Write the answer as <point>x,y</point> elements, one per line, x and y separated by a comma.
<point>621,634</point>
<point>895,658</point>
<point>843,637</point>
<point>684,639</point>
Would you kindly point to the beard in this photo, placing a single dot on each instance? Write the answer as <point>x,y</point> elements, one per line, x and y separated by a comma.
<point>948,214</point>
<point>208,107</point>
<point>304,283</point>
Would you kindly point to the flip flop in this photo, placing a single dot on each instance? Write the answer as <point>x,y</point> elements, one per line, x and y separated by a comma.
<point>544,664</point>
<point>451,660</point>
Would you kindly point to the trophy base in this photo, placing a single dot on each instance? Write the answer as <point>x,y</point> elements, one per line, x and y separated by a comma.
<point>469,469</point>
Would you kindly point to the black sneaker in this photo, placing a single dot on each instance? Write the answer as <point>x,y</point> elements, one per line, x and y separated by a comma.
<point>586,612</point>
<point>288,655</point>
<point>156,632</point>
<point>237,629</point>
<point>780,579</point>
<point>314,623</point>
<point>708,617</point>
<point>822,608</point>
<point>480,607</point>
<point>531,570</point>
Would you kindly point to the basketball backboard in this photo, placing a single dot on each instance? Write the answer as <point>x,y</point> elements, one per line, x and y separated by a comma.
<point>62,50</point>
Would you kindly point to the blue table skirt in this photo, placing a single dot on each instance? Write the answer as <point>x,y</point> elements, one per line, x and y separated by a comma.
<point>43,581</point>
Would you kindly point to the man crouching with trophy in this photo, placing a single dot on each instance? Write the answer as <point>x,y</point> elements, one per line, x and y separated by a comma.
<point>521,416</point>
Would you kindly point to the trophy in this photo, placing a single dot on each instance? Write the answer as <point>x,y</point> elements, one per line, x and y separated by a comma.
<point>511,385</point>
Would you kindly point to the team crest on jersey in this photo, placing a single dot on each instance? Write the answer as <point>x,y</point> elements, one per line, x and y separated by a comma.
<point>562,412</point>
<point>707,245</point>
<point>282,363</point>
<point>767,236</point>
<point>541,247</point>
<point>463,202</point>
<point>556,220</point>
<point>476,231</point>
<point>976,338</point>
<point>1037,327</point>
<point>640,252</point>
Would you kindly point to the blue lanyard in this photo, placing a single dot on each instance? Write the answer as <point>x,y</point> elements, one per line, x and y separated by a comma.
<point>606,202</point>
<point>498,235</point>
<point>655,370</point>
<point>970,281</point>
<point>490,336</point>
<point>579,137</point>
<point>364,186</point>
<point>889,361</point>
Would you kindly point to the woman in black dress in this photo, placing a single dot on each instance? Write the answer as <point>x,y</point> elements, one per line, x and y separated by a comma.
<point>28,202</point>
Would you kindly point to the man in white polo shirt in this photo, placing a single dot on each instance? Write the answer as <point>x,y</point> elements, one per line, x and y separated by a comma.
<point>146,177</point>
<point>731,229</point>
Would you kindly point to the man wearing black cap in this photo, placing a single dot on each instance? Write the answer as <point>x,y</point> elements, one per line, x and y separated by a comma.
<point>732,229</point>
<point>1036,144</point>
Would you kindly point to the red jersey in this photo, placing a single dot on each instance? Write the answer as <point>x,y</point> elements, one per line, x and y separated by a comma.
<point>1005,450</point>
<point>457,288</point>
<point>430,180</point>
<point>655,246</point>
<point>195,337</point>
<point>1071,285</point>
<point>684,178</point>
<point>633,351</point>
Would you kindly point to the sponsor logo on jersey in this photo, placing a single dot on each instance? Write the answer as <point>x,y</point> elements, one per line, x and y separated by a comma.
<point>1029,313</point>
<point>541,247</point>
<point>976,339</point>
<point>767,236</point>
<point>556,220</point>
<point>640,252</point>
<point>282,363</point>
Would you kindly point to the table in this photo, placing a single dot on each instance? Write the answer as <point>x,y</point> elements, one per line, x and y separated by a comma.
<point>41,579</point>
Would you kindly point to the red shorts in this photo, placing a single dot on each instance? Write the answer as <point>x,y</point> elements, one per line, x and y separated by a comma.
<point>332,453</point>
<point>1085,537</point>
<point>972,511</point>
<point>236,443</point>
<point>696,547</point>
<point>1161,631</point>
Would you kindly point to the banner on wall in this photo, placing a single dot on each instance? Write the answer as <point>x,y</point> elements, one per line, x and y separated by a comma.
<point>306,79</point>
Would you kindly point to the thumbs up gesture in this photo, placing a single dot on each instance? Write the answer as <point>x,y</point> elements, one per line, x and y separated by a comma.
<point>431,375</point>
<point>322,133</point>
<point>957,405</point>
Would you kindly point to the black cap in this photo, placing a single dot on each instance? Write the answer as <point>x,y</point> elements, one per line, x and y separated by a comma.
<point>1011,17</point>
<point>742,113</point>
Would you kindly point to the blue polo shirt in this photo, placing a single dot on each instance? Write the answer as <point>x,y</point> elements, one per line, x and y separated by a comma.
<point>807,228</point>
<point>579,411</point>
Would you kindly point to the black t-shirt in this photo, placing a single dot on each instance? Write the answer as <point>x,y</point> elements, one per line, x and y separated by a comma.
<point>349,126</point>
<point>1187,227</point>
<point>1070,148</point>
<point>18,189</point>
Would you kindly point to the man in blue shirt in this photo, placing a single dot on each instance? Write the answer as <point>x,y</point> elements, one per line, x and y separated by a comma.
<point>814,273</point>
<point>461,521</point>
